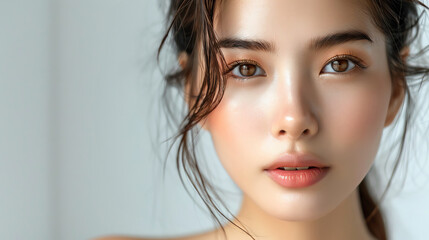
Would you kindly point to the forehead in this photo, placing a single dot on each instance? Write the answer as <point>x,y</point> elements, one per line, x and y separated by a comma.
<point>290,20</point>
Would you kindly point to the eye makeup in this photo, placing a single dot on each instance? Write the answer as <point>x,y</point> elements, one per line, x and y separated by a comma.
<point>259,71</point>
<point>359,64</point>
<point>348,58</point>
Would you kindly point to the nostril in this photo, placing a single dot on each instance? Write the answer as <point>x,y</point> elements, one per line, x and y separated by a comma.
<point>305,132</point>
<point>282,132</point>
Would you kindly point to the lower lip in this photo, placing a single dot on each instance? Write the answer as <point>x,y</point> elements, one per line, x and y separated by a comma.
<point>297,178</point>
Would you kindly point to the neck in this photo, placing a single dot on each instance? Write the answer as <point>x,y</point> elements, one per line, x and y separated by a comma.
<point>344,222</point>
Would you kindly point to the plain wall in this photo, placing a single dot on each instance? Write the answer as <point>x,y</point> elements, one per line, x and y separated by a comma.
<point>26,184</point>
<point>106,92</point>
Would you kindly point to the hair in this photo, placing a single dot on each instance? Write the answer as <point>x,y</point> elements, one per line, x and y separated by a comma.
<point>190,22</point>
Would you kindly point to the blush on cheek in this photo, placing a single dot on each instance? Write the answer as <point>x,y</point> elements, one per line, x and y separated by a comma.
<point>361,120</point>
<point>356,134</point>
<point>235,130</point>
<point>235,117</point>
<point>227,135</point>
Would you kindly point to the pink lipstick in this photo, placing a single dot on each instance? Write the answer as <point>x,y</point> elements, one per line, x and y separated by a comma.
<point>297,170</point>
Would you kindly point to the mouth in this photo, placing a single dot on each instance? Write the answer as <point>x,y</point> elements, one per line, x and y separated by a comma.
<point>296,162</point>
<point>297,177</point>
<point>295,168</point>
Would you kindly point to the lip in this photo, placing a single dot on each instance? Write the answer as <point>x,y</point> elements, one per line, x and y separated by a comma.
<point>297,178</point>
<point>296,160</point>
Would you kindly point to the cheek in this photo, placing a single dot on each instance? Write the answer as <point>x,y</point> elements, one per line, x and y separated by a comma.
<point>354,124</point>
<point>231,122</point>
<point>237,126</point>
<point>239,116</point>
<point>358,119</point>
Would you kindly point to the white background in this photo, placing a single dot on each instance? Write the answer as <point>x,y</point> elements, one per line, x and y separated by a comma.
<point>79,91</point>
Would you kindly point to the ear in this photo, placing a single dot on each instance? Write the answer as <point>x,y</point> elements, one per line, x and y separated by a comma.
<point>405,52</point>
<point>183,59</point>
<point>396,99</point>
<point>398,92</point>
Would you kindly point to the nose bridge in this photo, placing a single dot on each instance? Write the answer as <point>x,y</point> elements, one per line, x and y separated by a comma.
<point>290,90</point>
<point>295,117</point>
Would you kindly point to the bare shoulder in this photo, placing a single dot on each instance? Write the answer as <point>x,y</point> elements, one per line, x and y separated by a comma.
<point>202,236</point>
<point>118,238</point>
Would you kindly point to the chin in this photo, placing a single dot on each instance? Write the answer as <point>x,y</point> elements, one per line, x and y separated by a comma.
<point>301,214</point>
<point>297,208</point>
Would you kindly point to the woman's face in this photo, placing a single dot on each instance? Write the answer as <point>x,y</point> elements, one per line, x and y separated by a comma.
<point>289,96</point>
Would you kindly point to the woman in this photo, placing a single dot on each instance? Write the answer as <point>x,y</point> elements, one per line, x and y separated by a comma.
<point>295,95</point>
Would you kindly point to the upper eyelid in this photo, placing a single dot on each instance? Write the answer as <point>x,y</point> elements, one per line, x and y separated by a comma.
<point>350,57</point>
<point>243,61</point>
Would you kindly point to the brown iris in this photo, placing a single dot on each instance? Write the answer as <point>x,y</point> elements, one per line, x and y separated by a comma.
<point>340,65</point>
<point>247,70</point>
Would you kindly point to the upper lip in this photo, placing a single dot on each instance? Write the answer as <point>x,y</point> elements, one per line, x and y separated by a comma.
<point>296,159</point>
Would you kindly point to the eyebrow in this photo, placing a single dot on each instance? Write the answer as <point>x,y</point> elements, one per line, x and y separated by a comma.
<point>338,38</point>
<point>315,44</point>
<point>257,45</point>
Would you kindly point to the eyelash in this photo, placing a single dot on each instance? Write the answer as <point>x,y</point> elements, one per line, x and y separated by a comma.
<point>358,64</point>
<point>237,63</point>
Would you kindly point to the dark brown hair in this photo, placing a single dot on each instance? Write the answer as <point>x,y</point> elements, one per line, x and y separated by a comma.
<point>190,24</point>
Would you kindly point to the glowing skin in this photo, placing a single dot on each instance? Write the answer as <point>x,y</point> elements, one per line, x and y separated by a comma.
<point>295,104</point>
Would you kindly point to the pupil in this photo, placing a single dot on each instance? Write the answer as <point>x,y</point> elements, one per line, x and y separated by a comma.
<point>340,65</point>
<point>247,69</point>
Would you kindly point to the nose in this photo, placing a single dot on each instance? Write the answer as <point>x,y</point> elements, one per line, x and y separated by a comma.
<point>295,116</point>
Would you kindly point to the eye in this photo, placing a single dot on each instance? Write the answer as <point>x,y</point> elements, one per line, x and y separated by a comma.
<point>342,64</point>
<point>245,70</point>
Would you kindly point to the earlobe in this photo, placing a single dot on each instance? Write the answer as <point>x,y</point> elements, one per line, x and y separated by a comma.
<point>183,59</point>
<point>405,52</point>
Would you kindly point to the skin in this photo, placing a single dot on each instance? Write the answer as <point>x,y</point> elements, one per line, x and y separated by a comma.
<point>295,106</point>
